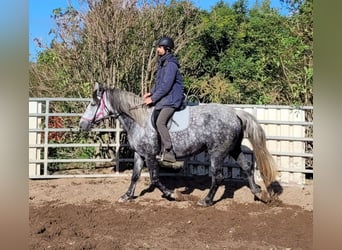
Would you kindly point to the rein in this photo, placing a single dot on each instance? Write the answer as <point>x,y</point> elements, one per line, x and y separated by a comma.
<point>137,106</point>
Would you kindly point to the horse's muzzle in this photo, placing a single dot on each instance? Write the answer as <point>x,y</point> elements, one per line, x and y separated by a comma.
<point>85,125</point>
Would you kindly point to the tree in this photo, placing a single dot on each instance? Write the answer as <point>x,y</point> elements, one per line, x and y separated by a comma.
<point>264,57</point>
<point>297,63</point>
<point>258,56</point>
<point>114,42</point>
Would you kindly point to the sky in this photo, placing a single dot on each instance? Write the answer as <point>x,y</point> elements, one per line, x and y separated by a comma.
<point>40,21</point>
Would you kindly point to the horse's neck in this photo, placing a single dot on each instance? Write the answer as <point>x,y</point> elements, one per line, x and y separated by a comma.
<point>129,107</point>
<point>126,122</point>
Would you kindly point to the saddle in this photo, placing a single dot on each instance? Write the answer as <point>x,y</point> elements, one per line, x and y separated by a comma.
<point>180,119</point>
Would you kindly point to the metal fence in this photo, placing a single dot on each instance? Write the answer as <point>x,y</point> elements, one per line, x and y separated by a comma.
<point>289,139</point>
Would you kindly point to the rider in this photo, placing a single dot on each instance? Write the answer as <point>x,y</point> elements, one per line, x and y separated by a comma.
<point>167,94</point>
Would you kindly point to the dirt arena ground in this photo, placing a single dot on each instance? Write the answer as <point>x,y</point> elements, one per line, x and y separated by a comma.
<point>83,213</point>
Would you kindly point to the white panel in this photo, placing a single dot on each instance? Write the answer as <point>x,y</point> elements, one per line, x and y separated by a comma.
<point>34,138</point>
<point>283,162</point>
<point>286,162</point>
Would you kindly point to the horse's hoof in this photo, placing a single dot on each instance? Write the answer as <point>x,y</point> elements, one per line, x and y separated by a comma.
<point>177,195</point>
<point>173,196</point>
<point>169,196</point>
<point>256,190</point>
<point>262,196</point>
<point>121,200</point>
<point>124,198</point>
<point>204,203</point>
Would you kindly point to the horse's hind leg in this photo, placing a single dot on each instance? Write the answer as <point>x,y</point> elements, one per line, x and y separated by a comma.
<point>247,167</point>
<point>138,165</point>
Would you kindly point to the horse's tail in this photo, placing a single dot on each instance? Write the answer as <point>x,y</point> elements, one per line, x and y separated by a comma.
<point>256,135</point>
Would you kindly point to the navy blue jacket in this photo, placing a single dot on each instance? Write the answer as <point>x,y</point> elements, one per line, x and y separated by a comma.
<point>168,90</point>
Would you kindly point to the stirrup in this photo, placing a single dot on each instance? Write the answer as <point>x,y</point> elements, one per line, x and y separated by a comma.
<point>169,156</point>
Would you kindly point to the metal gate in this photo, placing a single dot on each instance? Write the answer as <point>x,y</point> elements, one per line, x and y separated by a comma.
<point>288,130</point>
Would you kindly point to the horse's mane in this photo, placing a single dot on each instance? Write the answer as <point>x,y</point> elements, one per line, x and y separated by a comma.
<point>130,104</point>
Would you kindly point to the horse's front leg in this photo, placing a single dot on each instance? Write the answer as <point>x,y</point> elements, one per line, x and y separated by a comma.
<point>138,165</point>
<point>153,167</point>
<point>216,180</point>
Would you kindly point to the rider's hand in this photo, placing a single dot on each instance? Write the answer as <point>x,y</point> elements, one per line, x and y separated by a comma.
<point>148,100</point>
<point>147,95</point>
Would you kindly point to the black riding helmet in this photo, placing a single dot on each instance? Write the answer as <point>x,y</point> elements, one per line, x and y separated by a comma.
<point>167,42</point>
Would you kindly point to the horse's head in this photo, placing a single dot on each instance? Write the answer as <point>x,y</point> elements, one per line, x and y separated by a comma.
<point>97,109</point>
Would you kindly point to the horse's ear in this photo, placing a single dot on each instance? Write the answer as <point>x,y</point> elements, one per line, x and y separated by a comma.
<point>96,86</point>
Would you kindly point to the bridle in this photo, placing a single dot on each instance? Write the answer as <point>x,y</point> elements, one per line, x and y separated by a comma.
<point>101,110</point>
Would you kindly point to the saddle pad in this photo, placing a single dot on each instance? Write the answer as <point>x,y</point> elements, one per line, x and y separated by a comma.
<point>179,121</point>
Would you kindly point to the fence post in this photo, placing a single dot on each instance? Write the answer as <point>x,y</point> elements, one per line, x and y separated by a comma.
<point>117,145</point>
<point>34,138</point>
<point>46,137</point>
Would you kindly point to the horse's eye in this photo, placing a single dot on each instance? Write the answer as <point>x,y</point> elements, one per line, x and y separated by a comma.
<point>93,103</point>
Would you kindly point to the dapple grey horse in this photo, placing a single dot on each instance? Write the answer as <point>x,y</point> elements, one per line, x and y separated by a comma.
<point>217,128</point>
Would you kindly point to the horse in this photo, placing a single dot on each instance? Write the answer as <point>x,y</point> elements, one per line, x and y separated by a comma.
<point>217,128</point>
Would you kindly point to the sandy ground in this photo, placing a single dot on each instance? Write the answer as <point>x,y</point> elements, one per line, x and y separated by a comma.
<point>84,213</point>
